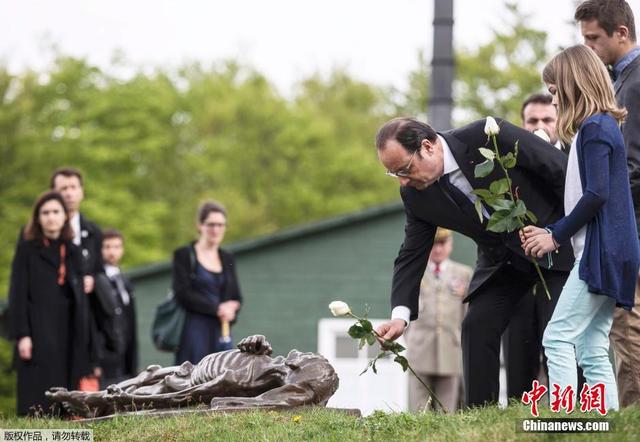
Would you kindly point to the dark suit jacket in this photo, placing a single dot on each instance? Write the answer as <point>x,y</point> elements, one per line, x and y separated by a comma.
<point>192,300</point>
<point>91,246</point>
<point>117,324</point>
<point>627,88</point>
<point>539,180</point>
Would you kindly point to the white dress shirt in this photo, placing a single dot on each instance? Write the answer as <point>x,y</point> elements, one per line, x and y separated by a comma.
<point>114,274</point>
<point>75,225</point>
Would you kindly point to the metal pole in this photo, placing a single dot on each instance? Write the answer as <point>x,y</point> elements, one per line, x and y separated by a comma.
<point>442,66</point>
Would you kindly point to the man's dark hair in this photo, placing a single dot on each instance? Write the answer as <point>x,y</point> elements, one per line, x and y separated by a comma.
<point>409,132</point>
<point>609,13</point>
<point>535,98</point>
<point>112,233</point>
<point>67,172</point>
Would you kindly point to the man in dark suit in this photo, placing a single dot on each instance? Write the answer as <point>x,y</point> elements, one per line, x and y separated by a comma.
<point>436,174</point>
<point>87,236</point>
<point>608,27</point>
<point>68,182</point>
<point>117,318</point>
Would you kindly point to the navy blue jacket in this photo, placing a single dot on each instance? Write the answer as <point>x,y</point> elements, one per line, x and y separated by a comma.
<point>611,256</point>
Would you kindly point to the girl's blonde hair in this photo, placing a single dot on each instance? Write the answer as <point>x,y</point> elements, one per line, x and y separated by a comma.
<point>583,89</point>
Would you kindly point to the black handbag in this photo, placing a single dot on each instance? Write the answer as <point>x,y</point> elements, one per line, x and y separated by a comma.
<point>168,322</point>
<point>169,318</point>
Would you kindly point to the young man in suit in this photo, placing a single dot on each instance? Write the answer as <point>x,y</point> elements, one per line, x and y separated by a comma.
<point>436,174</point>
<point>608,27</point>
<point>117,318</point>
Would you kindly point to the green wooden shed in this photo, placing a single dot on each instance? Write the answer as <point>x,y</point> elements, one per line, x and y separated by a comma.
<point>288,278</point>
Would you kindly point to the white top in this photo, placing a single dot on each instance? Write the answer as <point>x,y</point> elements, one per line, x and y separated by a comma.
<point>572,194</point>
<point>75,225</point>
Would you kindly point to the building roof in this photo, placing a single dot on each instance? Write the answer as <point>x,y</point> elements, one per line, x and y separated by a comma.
<point>285,235</point>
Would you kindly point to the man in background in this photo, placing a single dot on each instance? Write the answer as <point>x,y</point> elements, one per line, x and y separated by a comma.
<point>87,236</point>
<point>522,340</point>
<point>433,340</point>
<point>116,318</point>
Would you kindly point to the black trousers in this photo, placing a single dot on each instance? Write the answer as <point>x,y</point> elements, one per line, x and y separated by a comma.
<point>489,313</point>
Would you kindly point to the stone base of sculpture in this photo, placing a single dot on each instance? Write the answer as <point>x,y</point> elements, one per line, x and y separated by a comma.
<point>245,378</point>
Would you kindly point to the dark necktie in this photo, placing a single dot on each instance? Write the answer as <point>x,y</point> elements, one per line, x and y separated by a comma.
<point>458,197</point>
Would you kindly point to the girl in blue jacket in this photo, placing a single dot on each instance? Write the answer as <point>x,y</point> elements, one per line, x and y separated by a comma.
<point>599,224</point>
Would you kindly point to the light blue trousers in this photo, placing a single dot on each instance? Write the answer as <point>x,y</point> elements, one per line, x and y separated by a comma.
<point>579,329</point>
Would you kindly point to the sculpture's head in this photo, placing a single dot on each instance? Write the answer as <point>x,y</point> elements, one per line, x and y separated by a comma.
<point>314,371</point>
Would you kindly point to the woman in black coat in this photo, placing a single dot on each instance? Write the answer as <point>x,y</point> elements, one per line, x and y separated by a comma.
<point>205,283</point>
<point>48,308</point>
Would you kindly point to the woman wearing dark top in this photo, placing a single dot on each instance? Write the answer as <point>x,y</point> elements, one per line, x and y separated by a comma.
<point>48,308</point>
<point>205,283</point>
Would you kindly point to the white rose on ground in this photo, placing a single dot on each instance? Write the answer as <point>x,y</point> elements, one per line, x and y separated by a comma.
<point>339,308</point>
<point>491,127</point>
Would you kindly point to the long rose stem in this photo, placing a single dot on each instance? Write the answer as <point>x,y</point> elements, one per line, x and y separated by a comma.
<point>431,392</point>
<point>506,174</point>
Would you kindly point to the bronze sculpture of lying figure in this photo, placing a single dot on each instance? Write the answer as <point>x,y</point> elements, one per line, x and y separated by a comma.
<point>246,377</point>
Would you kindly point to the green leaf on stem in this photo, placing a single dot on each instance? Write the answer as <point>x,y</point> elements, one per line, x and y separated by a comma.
<point>499,187</point>
<point>501,204</point>
<point>531,216</point>
<point>403,362</point>
<point>487,153</point>
<point>478,205</point>
<point>508,161</point>
<point>503,221</point>
<point>356,331</point>
<point>483,169</point>
<point>363,341</point>
<point>371,339</point>
<point>373,364</point>
<point>482,193</point>
<point>515,148</point>
<point>366,325</point>
<point>520,209</point>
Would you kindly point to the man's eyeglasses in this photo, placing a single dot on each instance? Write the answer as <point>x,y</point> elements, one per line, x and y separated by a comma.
<point>405,171</point>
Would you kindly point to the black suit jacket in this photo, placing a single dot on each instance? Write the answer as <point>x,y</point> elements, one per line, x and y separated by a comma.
<point>627,88</point>
<point>91,246</point>
<point>117,324</point>
<point>539,180</point>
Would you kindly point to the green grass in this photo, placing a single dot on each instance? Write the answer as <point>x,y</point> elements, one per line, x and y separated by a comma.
<point>488,424</point>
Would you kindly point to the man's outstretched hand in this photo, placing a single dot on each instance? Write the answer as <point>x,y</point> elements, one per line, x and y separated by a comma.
<point>391,330</point>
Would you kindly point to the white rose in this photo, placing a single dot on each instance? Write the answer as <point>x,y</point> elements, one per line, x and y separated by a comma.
<point>491,127</point>
<point>542,134</point>
<point>339,308</point>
